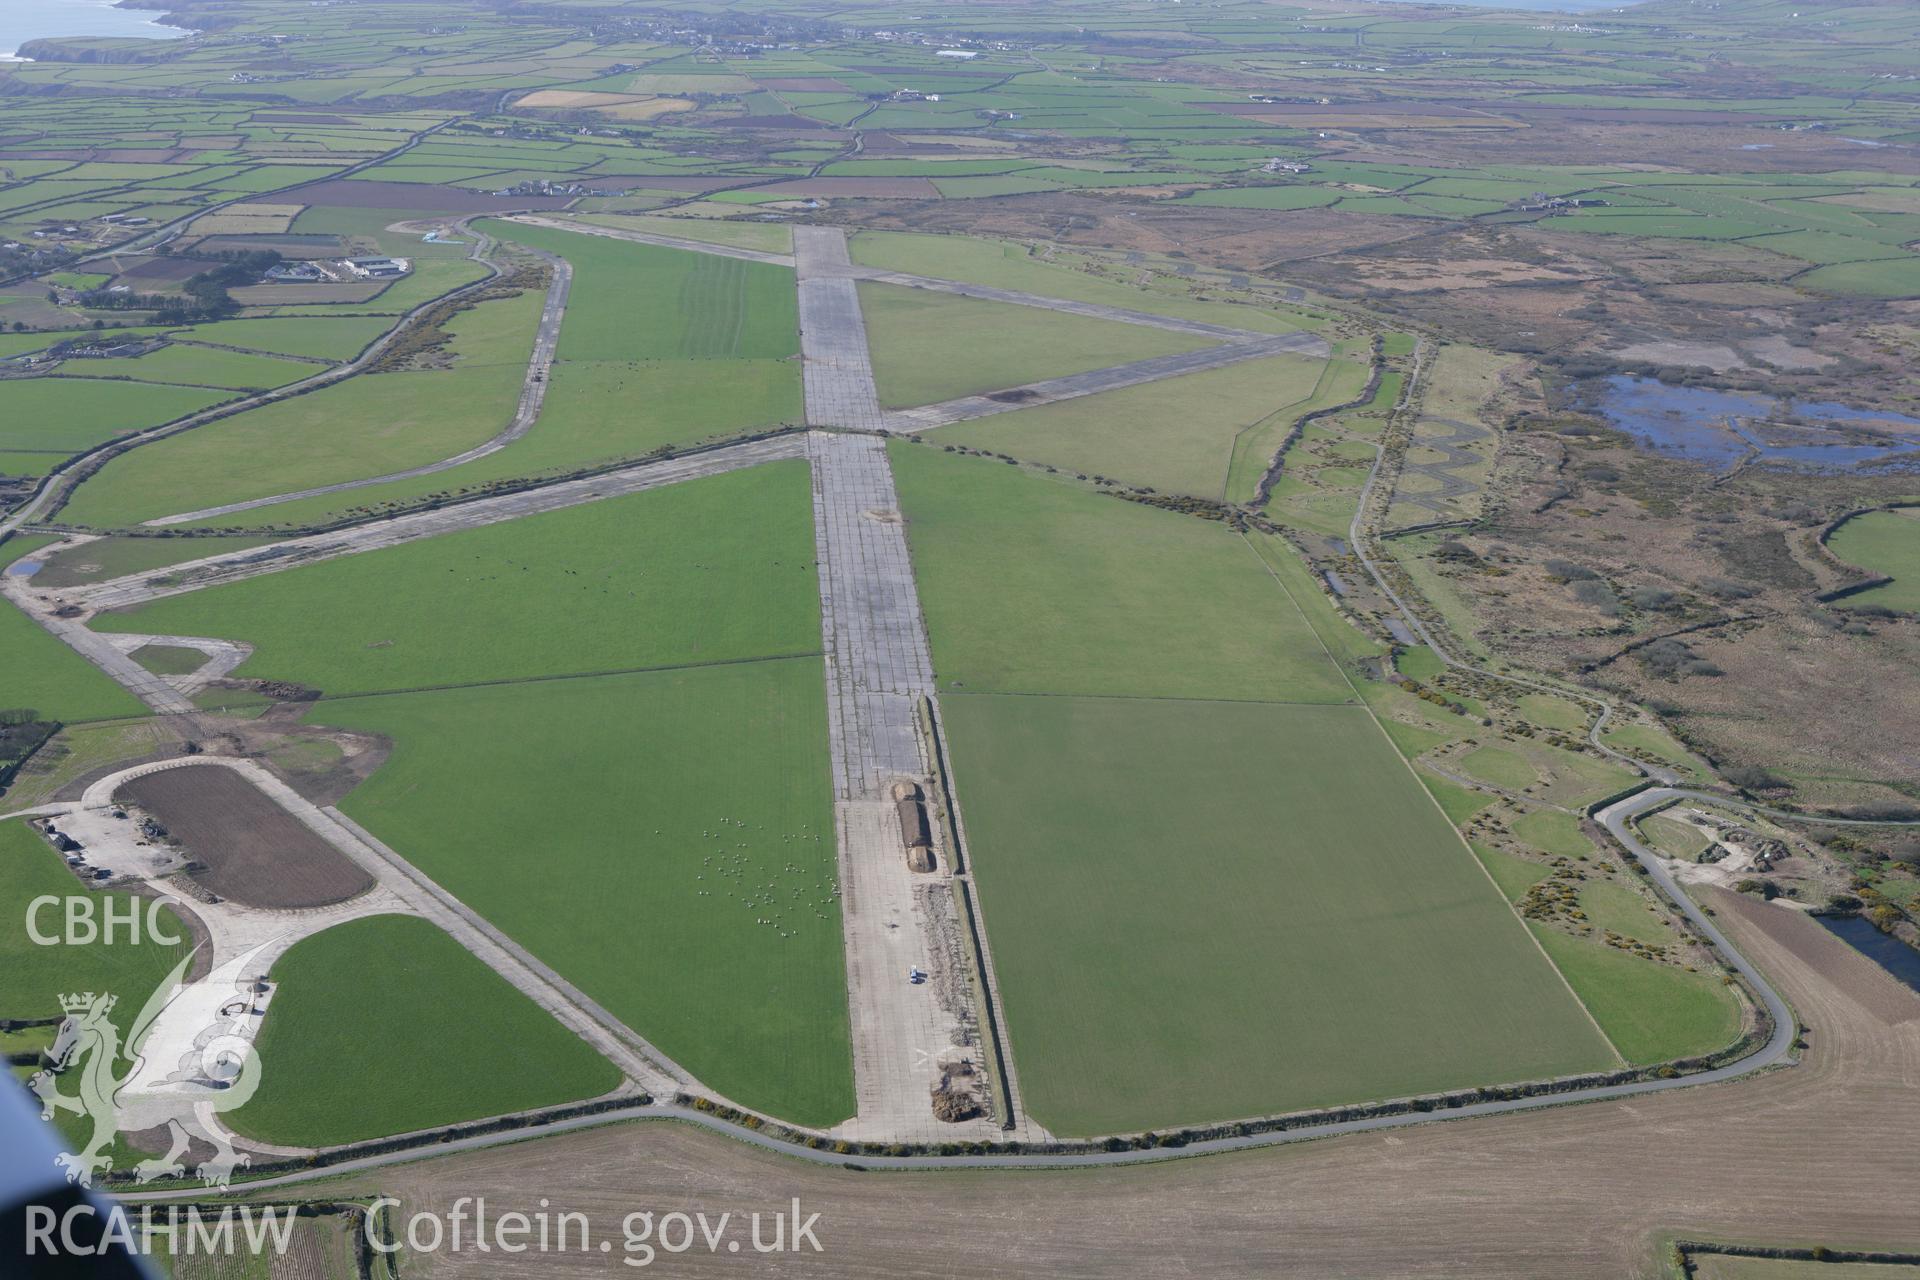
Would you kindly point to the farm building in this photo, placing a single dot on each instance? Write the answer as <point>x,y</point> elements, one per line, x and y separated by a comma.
<point>378,268</point>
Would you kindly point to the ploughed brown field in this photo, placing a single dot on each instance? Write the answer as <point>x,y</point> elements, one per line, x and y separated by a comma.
<point>254,852</point>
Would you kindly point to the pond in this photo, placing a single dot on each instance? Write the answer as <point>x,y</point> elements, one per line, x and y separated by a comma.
<point>1891,954</point>
<point>1720,428</point>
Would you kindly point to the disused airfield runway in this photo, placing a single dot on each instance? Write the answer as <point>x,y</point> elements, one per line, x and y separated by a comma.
<point>648,237</point>
<point>138,588</point>
<point>1113,378</point>
<point>879,671</point>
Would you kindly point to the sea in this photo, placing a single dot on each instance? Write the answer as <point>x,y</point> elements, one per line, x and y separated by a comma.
<point>24,20</point>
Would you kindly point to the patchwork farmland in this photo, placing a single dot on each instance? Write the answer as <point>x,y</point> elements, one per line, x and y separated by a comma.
<point>983,591</point>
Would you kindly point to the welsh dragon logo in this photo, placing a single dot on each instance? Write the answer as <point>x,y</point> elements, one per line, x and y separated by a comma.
<point>187,1057</point>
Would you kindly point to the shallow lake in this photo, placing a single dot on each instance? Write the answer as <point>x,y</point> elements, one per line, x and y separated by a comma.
<point>1719,428</point>
<point>1891,954</point>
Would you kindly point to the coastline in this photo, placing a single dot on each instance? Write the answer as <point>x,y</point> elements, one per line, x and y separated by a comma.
<point>69,21</point>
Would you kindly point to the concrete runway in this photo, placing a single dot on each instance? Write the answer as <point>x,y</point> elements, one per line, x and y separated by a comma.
<point>1113,378</point>
<point>879,669</point>
<point>836,368</point>
<point>647,237</point>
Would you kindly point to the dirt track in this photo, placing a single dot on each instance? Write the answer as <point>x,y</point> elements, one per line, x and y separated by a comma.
<point>1828,1152</point>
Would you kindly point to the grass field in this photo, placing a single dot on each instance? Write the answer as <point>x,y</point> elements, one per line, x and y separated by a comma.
<point>1552,713</point>
<point>74,751</point>
<point>1202,910</point>
<point>1652,1012</point>
<point>1884,542</point>
<point>1545,773</point>
<point>366,425</point>
<point>36,976</point>
<point>1674,838</point>
<point>68,415</point>
<point>1176,435</point>
<point>189,365</point>
<point>1033,586</point>
<point>1613,906</point>
<point>1514,875</point>
<point>727,573</point>
<point>631,831</point>
<point>53,680</point>
<point>767,237</point>
<point>928,347</point>
<point>659,348</point>
<point>386,1025</point>
<point>641,302</point>
<point>326,337</point>
<point>1005,265</point>
<point>1551,831</point>
<point>169,659</point>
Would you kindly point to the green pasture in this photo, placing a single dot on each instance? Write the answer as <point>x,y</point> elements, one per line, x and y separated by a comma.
<point>1034,586</point>
<point>1514,875</point>
<point>713,570</point>
<point>69,415</point>
<point>325,337</point>
<point>928,346</point>
<point>1651,1011</point>
<point>385,1025</point>
<point>641,302</point>
<point>1203,911</point>
<point>196,366</point>
<point>633,832</point>
<point>1885,543</point>
<point>364,425</point>
<point>1553,832</point>
<point>1616,908</point>
<point>42,673</point>
<point>764,236</point>
<point>1176,435</point>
